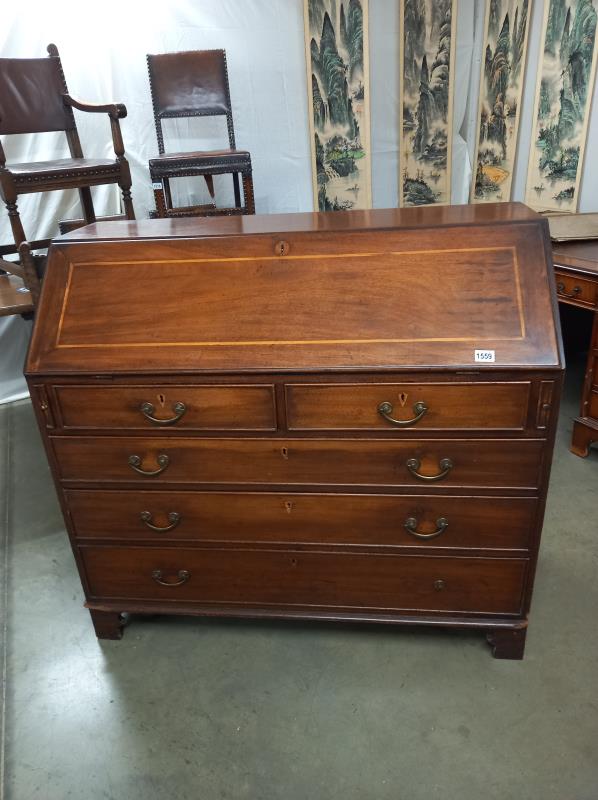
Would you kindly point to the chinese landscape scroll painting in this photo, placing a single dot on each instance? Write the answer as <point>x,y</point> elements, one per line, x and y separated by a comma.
<point>338,86</point>
<point>562,107</point>
<point>501,86</point>
<point>426,86</point>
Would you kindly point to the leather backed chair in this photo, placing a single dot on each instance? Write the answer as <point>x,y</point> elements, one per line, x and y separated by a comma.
<point>34,99</point>
<point>195,84</point>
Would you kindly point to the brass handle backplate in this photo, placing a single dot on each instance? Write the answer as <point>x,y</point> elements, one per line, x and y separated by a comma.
<point>445,465</point>
<point>147,409</point>
<point>560,287</point>
<point>419,409</point>
<point>173,518</point>
<point>441,525</point>
<point>183,576</point>
<point>162,459</point>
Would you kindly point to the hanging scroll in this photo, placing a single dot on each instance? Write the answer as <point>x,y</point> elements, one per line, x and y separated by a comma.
<point>426,90</point>
<point>338,87</point>
<point>501,86</point>
<point>562,107</point>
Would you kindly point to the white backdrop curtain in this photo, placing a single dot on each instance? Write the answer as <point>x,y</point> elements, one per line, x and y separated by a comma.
<point>103,50</point>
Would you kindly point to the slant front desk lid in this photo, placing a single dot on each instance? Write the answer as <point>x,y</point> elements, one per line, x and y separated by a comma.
<point>453,286</point>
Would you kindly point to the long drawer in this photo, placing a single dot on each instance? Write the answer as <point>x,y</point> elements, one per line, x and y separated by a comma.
<point>435,462</point>
<point>268,517</point>
<point>306,579</point>
<point>143,406</point>
<point>388,406</point>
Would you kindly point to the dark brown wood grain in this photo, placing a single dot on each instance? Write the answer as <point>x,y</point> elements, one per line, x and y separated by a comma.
<point>477,463</point>
<point>299,578</point>
<point>336,519</point>
<point>280,489</point>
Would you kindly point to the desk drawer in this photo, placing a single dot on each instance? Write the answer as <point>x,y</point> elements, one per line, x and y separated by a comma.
<point>572,289</point>
<point>306,579</point>
<point>447,462</point>
<point>434,406</point>
<point>337,519</point>
<point>171,406</point>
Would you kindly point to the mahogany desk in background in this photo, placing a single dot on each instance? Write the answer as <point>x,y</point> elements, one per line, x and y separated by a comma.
<point>576,266</point>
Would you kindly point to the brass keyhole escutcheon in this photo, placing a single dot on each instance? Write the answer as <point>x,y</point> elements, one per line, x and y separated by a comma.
<point>284,451</point>
<point>282,248</point>
<point>288,506</point>
<point>162,400</point>
<point>403,399</point>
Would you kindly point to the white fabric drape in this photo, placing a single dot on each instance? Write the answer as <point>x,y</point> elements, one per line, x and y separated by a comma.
<point>103,52</point>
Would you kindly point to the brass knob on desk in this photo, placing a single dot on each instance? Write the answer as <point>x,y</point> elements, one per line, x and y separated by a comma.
<point>173,518</point>
<point>439,585</point>
<point>560,287</point>
<point>147,409</point>
<point>419,409</point>
<point>183,576</point>
<point>413,465</point>
<point>162,459</point>
<point>441,526</point>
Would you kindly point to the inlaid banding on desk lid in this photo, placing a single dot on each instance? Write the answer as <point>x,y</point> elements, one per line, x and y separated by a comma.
<point>236,302</point>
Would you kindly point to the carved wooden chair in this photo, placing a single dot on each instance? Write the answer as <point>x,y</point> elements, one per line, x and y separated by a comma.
<point>34,99</point>
<point>195,84</point>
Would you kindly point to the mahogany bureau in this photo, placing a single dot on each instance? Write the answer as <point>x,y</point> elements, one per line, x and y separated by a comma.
<point>337,416</point>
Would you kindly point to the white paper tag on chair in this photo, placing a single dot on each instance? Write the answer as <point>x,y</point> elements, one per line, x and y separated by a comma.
<point>157,185</point>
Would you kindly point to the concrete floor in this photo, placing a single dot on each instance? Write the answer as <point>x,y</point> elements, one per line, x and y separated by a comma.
<point>187,708</point>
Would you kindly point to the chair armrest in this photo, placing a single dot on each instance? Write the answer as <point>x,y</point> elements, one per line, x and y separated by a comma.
<point>114,110</point>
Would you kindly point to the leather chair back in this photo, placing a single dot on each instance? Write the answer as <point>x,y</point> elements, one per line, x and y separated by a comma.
<point>31,92</point>
<point>189,84</point>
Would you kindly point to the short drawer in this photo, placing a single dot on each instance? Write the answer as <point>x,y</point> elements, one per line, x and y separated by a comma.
<point>306,579</point>
<point>572,289</point>
<point>400,406</point>
<point>336,519</point>
<point>434,462</point>
<point>167,406</point>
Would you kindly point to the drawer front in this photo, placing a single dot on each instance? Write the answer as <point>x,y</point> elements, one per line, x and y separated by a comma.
<point>399,406</point>
<point>307,579</point>
<point>572,289</point>
<point>339,519</point>
<point>172,407</point>
<point>449,462</point>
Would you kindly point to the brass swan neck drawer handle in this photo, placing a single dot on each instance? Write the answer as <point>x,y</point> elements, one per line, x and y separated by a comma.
<point>445,464</point>
<point>173,518</point>
<point>441,526</point>
<point>183,576</point>
<point>419,409</point>
<point>560,287</point>
<point>162,459</point>
<point>147,409</point>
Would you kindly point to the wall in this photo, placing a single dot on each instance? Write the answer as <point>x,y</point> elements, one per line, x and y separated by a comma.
<point>103,52</point>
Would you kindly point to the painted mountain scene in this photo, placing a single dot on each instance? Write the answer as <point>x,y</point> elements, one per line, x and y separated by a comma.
<point>336,45</point>
<point>501,86</point>
<point>427,101</point>
<point>562,108</point>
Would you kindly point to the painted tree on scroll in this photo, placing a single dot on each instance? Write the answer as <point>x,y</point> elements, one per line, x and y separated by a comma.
<point>426,110</point>
<point>501,87</point>
<point>339,103</point>
<point>562,104</point>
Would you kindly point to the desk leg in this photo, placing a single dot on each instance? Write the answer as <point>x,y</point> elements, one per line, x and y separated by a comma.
<point>585,427</point>
<point>507,642</point>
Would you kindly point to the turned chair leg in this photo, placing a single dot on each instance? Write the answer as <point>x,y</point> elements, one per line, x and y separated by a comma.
<point>159,198</point>
<point>15,221</point>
